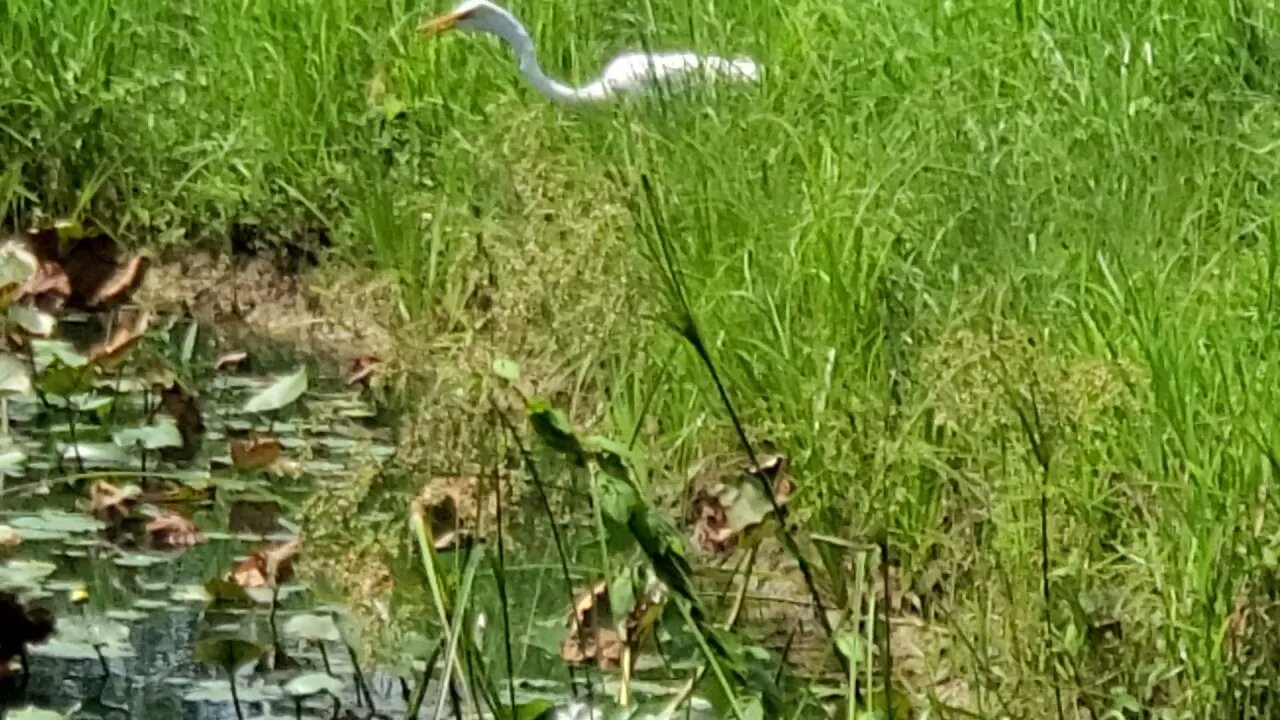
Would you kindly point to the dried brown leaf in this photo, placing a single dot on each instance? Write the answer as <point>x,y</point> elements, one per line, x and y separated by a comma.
<point>361,369</point>
<point>267,565</point>
<point>112,352</point>
<point>253,453</point>
<point>181,405</point>
<point>112,503</point>
<point>230,361</point>
<point>171,530</point>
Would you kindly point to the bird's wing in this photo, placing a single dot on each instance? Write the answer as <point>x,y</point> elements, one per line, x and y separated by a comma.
<point>635,70</point>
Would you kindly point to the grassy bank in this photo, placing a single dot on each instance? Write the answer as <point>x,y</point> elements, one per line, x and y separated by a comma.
<point>999,278</point>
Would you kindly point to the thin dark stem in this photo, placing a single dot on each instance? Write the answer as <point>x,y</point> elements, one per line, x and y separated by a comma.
<point>688,327</point>
<point>500,576</point>
<point>71,431</point>
<point>102,662</point>
<point>1044,583</point>
<point>361,685</point>
<point>271,616</point>
<point>788,540</point>
<point>324,657</point>
<point>235,694</point>
<point>557,539</point>
<point>887,664</point>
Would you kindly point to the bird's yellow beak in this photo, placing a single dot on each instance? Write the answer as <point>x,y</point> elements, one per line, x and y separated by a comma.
<point>439,25</point>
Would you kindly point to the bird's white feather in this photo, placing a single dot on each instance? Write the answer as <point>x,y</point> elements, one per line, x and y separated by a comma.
<point>627,74</point>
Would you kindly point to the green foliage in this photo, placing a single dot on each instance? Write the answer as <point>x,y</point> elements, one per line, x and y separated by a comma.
<point>283,392</point>
<point>924,207</point>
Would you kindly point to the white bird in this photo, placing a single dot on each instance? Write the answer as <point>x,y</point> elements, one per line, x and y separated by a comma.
<point>628,74</point>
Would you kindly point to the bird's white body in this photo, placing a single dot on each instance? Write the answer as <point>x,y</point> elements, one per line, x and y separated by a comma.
<point>628,74</point>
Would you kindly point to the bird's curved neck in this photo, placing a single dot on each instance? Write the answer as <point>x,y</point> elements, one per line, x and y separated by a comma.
<point>514,33</point>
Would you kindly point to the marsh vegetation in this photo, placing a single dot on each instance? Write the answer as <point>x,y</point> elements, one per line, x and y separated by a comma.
<point>933,377</point>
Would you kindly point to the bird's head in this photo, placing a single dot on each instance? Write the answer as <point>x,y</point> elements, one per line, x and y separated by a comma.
<point>467,16</point>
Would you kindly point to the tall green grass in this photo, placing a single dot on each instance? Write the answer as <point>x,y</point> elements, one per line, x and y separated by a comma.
<point>928,217</point>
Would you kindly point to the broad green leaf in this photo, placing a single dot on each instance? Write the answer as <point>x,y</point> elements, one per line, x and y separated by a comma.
<point>93,631</point>
<point>15,376</point>
<point>540,709</point>
<point>748,506</point>
<point>57,521</point>
<point>162,434</point>
<point>617,498</point>
<point>32,321</point>
<point>83,638</point>
<point>17,265</point>
<point>189,343</point>
<point>99,455</point>
<point>48,352</point>
<point>314,628</point>
<point>622,595</point>
<point>24,574</point>
<point>313,684</point>
<point>13,461</point>
<point>283,392</point>
<point>62,380</point>
<point>554,428</point>
<point>506,369</point>
<point>227,653</point>
<point>850,645</point>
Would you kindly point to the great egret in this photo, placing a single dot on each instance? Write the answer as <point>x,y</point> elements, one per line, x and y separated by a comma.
<point>627,74</point>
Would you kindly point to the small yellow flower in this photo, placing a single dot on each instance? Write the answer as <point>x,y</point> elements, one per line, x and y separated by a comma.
<point>79,594</point>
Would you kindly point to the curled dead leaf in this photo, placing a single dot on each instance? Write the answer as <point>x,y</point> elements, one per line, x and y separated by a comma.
<point>594,636</point>
<point>266,566</point>
<point>113,351</point>
<point>230,361</point>
<point>112,503</point>
<point>253,453</point>
<point>361,369</point>
<point>168,529</point>
<point>456,508</point>
<point>182,406</point>
<point>724,511</point>
<point>49,288</point>
<point>119,287</point>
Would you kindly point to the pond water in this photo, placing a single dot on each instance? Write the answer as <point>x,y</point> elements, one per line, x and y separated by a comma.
<point>143,608</point>
<point>135,616</point>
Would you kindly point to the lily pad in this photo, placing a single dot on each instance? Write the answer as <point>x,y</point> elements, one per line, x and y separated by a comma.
<point>152,437</point>
<point>23,574</point>
<point>313,684</point>
<point>12,461</point>
<point>313,628</point>
<point>127,615</point>
<point>15,376</point>
<point>84,639</point>
<point>47,352</point>
<point>220,691</point>
<point>228,653</point>
<point>32,321</point>
<point>281,393</point>
<point>32,712</point>
<point>55,521</point>
<point>99,455</point>
<point>139,560</point>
